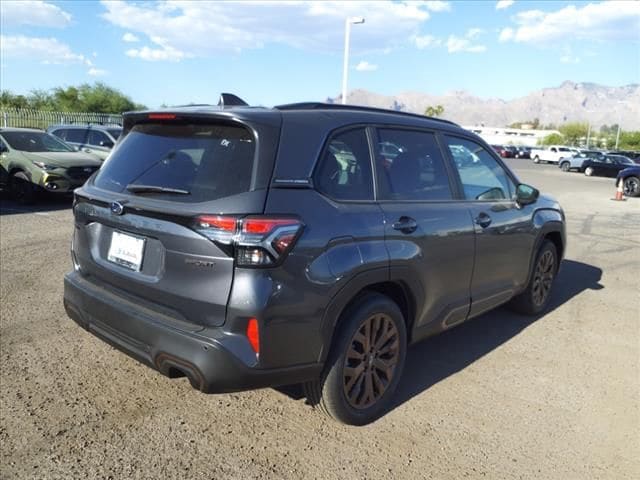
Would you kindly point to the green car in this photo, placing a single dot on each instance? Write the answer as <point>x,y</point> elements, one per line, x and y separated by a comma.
<point>32,161</point>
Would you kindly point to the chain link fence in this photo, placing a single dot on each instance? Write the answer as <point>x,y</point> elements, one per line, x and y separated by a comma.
<point>27,118</point>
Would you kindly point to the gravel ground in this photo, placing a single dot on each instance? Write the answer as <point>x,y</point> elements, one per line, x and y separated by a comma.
<point>502,396</point>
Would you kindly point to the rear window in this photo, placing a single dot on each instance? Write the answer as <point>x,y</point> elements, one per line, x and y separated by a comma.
<point>204,162</point>
<point>27,141</point>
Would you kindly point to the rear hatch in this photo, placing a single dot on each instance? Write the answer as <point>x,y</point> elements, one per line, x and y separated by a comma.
<point>135,221</point>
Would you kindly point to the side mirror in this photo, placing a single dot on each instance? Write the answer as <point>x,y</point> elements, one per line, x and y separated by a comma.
<point>106,144</point>
<point>526,194</point>
<point>3,148</point>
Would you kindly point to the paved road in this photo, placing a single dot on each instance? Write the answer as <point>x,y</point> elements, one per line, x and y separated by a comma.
<point>502,396</point>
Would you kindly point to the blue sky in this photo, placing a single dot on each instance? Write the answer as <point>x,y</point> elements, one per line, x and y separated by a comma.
<point>272,52</point>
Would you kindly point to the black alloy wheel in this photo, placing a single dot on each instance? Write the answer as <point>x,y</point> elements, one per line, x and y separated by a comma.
<point>631,186</point>
<point>543,278</point>
<point>371,361</point>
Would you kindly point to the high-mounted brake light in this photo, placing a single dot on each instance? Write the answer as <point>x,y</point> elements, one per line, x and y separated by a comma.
<point>161,116</point>
<point>258,241</point>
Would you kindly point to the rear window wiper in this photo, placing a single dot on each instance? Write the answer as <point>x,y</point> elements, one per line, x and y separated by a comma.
<point>134,188</point>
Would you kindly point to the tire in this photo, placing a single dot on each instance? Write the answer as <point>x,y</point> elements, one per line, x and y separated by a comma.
<point>588,171</point>
<point>535,298</point>
<point>22,190</point>
<point>565,166</point>
<point>344,397</point>
<point>536,159</point>
<point>631,186</point>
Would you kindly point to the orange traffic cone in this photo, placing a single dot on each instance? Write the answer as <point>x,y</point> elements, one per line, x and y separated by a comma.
<point>619,193</point>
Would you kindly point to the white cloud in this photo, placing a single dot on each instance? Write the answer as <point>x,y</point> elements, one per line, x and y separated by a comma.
<point>506,34</point>
<point>568,57</point>
<point>34,12</point>
<point>157,54</point>
<point>502,4</point>
<point>465,44</point>
<point>426,41</point>
<point>182,29</point>
<point>96,72</point>
<point>474,32</point>
<point>365,66</point>
<point>130,38</point>
<point>613,20</point>
<point>437,6</point>
<point>460,44</point>
<point>46,50</point>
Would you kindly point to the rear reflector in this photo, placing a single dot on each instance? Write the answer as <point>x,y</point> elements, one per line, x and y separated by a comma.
<point>253,335</point>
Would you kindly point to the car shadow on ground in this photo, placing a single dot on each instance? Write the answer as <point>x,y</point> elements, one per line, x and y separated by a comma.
<point>44,203</point>
<point>440,356</point>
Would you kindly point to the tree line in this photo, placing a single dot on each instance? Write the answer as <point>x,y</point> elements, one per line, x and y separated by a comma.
<point>576,134</point>
<point>97,98</point>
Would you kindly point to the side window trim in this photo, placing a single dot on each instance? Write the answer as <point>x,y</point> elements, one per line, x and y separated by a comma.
<point>509,174</point>
<point>452,174</point>
<point>325,147</point>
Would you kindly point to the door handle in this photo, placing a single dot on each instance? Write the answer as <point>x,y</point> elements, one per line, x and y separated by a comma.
<point>406,225</point>
<point>88,150</point>
<point>483,220</point>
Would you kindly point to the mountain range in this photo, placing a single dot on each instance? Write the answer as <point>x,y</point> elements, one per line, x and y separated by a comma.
<point>569,102</point>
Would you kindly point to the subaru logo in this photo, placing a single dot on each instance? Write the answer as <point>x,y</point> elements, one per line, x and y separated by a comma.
<point>117,208</point>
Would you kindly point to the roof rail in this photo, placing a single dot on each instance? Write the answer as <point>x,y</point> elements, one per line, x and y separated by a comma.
<point>339,106</point>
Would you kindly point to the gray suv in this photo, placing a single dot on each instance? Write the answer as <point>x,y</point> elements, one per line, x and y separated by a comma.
<point>95,139</point>
<point>253,247</point>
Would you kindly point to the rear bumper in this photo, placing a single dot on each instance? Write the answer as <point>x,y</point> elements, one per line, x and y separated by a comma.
<point>214,361</point>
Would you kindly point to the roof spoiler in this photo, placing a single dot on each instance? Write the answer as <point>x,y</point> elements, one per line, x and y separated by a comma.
<point>231,100</point>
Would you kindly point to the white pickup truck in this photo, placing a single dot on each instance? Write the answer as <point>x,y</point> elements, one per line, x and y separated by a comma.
<point>552,154</point>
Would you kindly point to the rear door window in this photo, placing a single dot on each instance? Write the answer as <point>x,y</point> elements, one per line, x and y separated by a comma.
<point>98,138</point>
<point>76,135</point>
<point>60,133</point>
<point>206,161</point>
<point>410,166</point>
<point>344,171</point>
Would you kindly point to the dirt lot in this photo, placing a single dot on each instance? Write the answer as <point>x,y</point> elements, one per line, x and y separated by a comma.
<point>502,396</point>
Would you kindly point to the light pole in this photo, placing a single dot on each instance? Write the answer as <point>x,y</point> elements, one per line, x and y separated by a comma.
<point>345,66</point>
<point>619,119</point>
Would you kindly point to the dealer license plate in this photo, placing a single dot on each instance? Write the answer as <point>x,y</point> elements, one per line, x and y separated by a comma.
<point>126,251</point>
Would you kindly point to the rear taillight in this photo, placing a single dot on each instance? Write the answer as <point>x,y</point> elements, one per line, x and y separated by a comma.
<point>257,241</point>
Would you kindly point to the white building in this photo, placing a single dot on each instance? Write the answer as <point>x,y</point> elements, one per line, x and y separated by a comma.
<point>510,136</point>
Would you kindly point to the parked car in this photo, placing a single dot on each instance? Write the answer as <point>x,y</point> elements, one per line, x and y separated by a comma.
<point>576,162</point>
<point>633,155</point>
<point>551,154</point>
<point>606,166</point>
<point>630,181</point>
<point>33,160</point>
<point>239,263</point>
<point>523,152</point>
<point>507,151</point>
<point>95,139</point>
